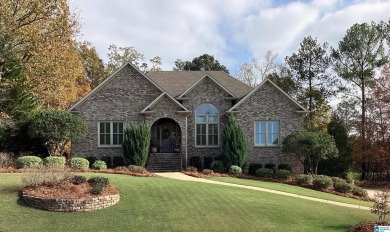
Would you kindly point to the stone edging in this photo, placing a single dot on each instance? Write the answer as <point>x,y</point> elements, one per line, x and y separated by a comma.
<point>71,205</point>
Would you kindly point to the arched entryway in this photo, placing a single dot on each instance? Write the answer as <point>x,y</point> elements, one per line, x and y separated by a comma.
<point>166,136</point>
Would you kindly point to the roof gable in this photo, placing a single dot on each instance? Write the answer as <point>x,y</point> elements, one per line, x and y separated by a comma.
<point>200,81</point>
<point>110,78</point>
<point>261,85</point>
<point>159,98</point>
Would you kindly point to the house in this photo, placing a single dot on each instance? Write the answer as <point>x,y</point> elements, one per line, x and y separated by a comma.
<point>186,111</point>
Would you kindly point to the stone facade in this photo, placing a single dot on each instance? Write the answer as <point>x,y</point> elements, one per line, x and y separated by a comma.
<point>71,205</point>
<point>130,96</point>
<point>269,104</point>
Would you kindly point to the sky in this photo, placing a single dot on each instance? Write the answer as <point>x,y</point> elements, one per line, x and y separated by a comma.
<point>233,31</point>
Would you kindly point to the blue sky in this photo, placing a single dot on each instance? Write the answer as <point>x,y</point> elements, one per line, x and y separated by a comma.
<point>233,31</point>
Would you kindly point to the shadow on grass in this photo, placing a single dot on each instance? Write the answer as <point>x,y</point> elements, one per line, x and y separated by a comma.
<point>343,227</point>
<point>10,190</point>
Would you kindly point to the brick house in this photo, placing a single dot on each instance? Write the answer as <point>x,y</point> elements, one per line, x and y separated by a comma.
<point>186,111</point>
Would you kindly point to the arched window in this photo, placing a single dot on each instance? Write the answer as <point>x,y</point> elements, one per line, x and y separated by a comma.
<point>207,125</point>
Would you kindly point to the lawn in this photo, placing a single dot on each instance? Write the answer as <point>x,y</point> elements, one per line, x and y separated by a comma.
<point>162,204</point>
<point>293,189</point>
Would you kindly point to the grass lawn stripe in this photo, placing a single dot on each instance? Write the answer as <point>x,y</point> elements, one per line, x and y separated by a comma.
<point>162,204</point>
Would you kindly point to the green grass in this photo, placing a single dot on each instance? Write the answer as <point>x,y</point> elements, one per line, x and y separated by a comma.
<point>162,204</point>
<point>293,189</point>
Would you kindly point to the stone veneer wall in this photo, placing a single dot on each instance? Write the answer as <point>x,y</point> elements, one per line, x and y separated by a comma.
<point>269,104</point>
<point>121,99</point>
<point>71,205</point>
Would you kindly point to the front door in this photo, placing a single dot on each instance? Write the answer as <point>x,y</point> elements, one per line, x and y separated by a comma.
<point>166,144</point>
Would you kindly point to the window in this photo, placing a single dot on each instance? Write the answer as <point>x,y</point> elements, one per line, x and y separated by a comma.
<point>207,125</point>
<point>110,134</point>
<point>266,133</point>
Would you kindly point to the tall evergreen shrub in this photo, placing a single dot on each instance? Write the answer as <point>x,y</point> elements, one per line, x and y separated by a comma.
<point>136,144</point>
<point>233,144</point>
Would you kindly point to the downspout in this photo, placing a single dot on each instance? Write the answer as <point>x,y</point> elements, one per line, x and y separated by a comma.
<point>186,140</point>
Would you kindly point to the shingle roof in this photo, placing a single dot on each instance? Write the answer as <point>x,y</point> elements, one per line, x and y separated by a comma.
<point>177,82</point>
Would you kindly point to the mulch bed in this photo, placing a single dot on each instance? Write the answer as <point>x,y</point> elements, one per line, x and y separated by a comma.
<point>67,190</point>
<point>367,226</point>
<point>120,170</point>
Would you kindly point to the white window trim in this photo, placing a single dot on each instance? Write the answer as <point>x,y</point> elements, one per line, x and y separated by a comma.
<point>111,133</point>
<point>266,134</point>
<point>207,128</point>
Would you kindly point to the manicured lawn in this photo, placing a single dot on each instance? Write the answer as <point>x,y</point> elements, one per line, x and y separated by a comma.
<point>293,189</point>
<point>162,204</point>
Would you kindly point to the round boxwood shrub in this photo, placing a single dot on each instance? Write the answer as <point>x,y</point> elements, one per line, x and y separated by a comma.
<point>54,161</point>
<point>322,182</point>
<point>79,163</point>
<point>342,187</point>
<point>265,172</point>
<point>234,169</point>
<point>207,171</point>
<point>218,166</point>
<point>97,189</point>
<point>282,174</point>
<point>28,162</point>
<point>338,180</point>
<point>99,165</point>
<point>303,179</point>
<point>191,169</point>
<point>98,180</point>
<point>77,179</point>
<point>136,169</point>
<point>357,191</point>
<point>195,161</point>
<point>253,168</point>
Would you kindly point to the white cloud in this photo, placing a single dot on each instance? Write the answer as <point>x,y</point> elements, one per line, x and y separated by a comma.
<point>186,29</point>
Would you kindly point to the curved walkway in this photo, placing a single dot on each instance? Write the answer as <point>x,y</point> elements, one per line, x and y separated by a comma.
<point>181,176</point>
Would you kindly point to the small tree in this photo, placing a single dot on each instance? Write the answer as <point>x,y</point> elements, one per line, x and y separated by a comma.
<point>57,128</point>
<point>233,144</point>
<point>381,205</point>
<point>136,144</point>
<point>310,147</point>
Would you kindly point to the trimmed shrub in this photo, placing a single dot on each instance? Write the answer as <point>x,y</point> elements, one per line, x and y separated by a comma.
<point>78,163</point>
<point>99,165</point>
<point>121,168</point>
<point>6,160</point>
<point>284,167</point>
<point>195,161</point>
<point>207,171</point>
<point>45,176</point>
<point>342,187</point>
<point>218,166</point>
<point>234,169</point>
<point>282,174</point>
<point>233,144</point>
<point>98,180</point>
<point>28,162</point>
<point>338,180</point>
<point>265,172</point>
<point>191,169</point>
<point>322,182</point>
<point>303,179</point>
<point>136,169</point>
<point>97,189</point>
<point>207,162</point>
<point>136,143</point>
<point>77,179</point>
<point>118,161</point>
<point>270,166</point>
<point>107,160</point>
<point>253,168</point>
<point>54,161</point>
<point>357,191</point>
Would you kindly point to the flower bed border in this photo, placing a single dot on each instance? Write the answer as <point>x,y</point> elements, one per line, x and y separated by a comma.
<point>71,205</point>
